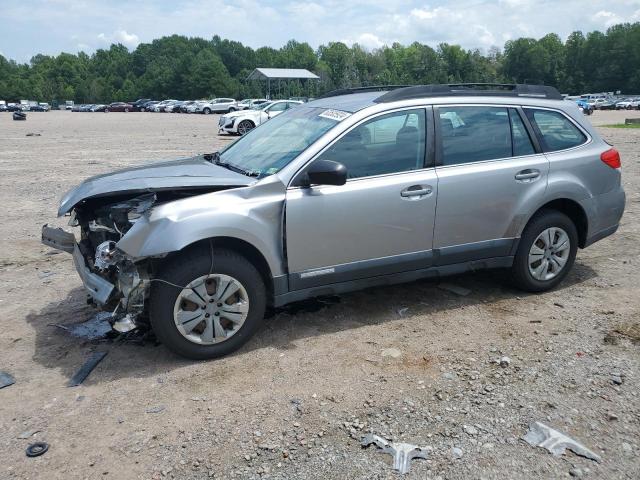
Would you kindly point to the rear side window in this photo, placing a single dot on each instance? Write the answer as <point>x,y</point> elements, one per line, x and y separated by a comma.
<point>521,141</point>
<point>556,131</point>
<point>473,134</point>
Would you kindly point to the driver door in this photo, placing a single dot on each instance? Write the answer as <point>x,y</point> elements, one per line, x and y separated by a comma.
<point>381,221</point>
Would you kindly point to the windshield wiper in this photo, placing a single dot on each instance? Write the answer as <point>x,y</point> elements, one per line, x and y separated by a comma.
<point>215,159</point>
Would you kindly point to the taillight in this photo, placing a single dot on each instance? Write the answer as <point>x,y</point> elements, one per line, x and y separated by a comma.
<point>611,157</point>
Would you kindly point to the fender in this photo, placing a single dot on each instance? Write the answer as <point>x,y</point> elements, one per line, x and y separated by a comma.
<point>250,214</point>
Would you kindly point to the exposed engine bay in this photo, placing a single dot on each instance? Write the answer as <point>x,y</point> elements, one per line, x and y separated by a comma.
<point>114,282</point>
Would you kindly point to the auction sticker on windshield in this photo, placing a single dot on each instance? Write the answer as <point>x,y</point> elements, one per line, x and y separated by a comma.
<point>337,115</point>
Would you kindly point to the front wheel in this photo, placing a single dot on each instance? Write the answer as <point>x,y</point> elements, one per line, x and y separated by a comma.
<point>214,302</point>
<point>546,252</point>
<point>245,127</point>
<point>206,111</point>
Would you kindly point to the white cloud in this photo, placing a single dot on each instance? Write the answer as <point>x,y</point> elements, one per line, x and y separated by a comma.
<point>120,36</point>
<point>51,26</point>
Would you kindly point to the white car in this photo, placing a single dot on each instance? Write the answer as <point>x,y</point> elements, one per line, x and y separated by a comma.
<point>161,106</point>
<point>217,105</point>
<point>246,120</point>
<point>628,104</point>
<point>252,103</point>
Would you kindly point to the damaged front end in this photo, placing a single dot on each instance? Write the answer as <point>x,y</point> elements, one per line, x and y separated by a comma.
<point>113,280</point>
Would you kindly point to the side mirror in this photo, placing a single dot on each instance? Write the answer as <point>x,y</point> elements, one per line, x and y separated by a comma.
<point>325,172</point>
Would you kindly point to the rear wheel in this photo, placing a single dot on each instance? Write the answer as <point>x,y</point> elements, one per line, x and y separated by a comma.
<point>245,126</point>
<point>126,110</point>
<point>212,308</point>
<point>546,252</point>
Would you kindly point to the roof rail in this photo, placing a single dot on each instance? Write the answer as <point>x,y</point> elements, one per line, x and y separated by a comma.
<point>470,90</point>
<point>374,88</point>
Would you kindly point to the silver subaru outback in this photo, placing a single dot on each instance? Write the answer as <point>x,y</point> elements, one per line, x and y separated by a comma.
<point>360,188</point>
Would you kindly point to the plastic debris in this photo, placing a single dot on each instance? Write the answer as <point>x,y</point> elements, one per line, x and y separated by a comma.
<point>37,449</point>
<point>87,368</point>
<point>157,409</point>
<point>6,380</point>
<point>402,453</point>
<point>540,435</point>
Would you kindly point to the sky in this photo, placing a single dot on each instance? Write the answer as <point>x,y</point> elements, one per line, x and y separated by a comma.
<point>28,27</point>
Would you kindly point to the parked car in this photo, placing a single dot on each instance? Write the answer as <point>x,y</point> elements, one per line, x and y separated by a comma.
<point>244,121</point>
<point>3,107</point>
<point>76,107</point>
<point>99,108</point>
<point>174,106</point>
<point>39,108</point>
<point>584,106</point>
<point>120,107</point>
<point>149,106</point>
<point>628,104</point>
<point>138,104</point>
<point>193,107</point>
<point>217,105</point>
<point>251,103</point>
<point>184,108</point>
<point>340,194</point>
<point>163,104</point>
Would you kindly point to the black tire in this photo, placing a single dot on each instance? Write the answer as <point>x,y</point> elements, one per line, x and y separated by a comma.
<point>183,269</point>
<point>522,277</point>
<point>231,109</point>
<point>246,125</point>
<point>206,111</point>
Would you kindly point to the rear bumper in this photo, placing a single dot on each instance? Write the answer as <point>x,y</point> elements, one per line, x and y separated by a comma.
<point>96,286</point>
<point>605,212</point>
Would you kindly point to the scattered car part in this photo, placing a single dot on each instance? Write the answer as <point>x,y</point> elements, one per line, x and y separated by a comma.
<point>402,453</point>
<point>125,324</point>
<point>86,368</point>
<point>37,449</point>
<point>19,116</point>
<point>6,380</point>
<point>540,435</point>
<point>27,434</point>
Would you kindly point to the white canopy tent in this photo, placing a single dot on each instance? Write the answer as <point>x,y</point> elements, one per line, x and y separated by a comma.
<point>269,74</point>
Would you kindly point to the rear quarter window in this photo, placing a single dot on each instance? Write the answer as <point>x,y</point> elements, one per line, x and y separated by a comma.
<point>555,130</point>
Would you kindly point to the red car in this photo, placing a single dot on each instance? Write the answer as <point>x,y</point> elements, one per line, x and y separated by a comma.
<point>120,107</point>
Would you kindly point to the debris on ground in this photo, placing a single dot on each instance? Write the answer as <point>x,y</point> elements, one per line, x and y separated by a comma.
<point>391,352</point>
<point>27,434</point>
<point>6,380</point>
<point>540,435</point>
<point>157,409</point>
<point>93,329</point>
<point>87,368</point>
<point>31,134</point>
<point>402,453</point>
<point>37,449</point>
<point>505,362</point>
<point>457,289</point>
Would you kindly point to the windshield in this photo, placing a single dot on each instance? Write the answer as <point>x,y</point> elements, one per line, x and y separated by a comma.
<point>267,149</point>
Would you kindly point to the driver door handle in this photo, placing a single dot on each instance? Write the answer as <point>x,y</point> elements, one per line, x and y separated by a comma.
<point>416,191</point>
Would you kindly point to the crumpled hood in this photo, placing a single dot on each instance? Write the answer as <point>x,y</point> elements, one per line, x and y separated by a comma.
<point>174,174</point>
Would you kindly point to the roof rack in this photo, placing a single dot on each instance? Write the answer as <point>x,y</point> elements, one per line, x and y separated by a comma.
<point>374,88</point>
<point>470,90</point>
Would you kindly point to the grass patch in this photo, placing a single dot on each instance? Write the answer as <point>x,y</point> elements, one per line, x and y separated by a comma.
<point>623,125</point>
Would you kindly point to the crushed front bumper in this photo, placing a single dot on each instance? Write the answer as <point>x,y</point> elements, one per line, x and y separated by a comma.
<point>96,286</point>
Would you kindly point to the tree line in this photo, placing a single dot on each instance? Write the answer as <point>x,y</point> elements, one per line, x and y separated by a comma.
<point>181,67</point>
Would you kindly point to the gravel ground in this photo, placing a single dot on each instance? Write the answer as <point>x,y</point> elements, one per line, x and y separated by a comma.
<point>414,363</point>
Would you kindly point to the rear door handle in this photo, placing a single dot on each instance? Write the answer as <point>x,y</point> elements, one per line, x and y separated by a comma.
<point>528,174</point>
<point>416,191</point>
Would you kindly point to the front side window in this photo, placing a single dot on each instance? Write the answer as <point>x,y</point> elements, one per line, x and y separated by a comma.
<point>278,107</point>
<point>474,134</point>
<point>556,131</point>
<point>390,143</point>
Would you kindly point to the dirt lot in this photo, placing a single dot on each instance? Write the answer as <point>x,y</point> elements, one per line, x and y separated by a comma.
<point>294,402</point>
